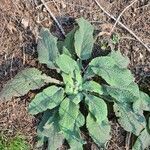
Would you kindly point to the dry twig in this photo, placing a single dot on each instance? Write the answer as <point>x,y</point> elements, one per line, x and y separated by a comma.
<point>128,137</point>
<point>121,15</point>
<point>121,24</point>
<point>52,15</point>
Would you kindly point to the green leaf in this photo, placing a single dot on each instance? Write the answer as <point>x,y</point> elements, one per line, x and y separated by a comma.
<point>120,60</point>
<point>99,132</point>
<point>143,103</point>
<point>41,132</point>
<point>49,98</point>
<point>111,69</point>
<point>66,51</point>
<point>75,144</point>
<point>49,129</point>
<point>23,82</point>
<point>84,39</point>
<point>55,137</point>
<point>97,107</point>
<point>143,141</point>
<point>123,94</point>
<point>69,84</point>
<point>72,84</point>
<point>73,135</point>
<point>68,112</point>
<point>47,48</point>
<point>128,119</point>
<point>76,98</point>
<point>69,42</point>
<point>67,64</point>
<point>93,86</point>
<point>114,76</point>
<point>71,120</point>
<point>80,121</point>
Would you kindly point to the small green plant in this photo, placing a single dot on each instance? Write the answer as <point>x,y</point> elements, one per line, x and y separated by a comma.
<point>16,143</point>
<point>61,101</point>
<point>115,39</point>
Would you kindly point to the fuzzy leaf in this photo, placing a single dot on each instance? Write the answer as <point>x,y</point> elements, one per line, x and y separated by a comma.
<point>49,98</point>
<point>75,144</point>
<point>48,129</point>
<point>123,94</point>
<point>72,84</point>
<point>66,51</point>
<point>23,82</point>
<point>128,119</point>
<point>97,107</point>
<point>41,132</point>
<point>111,69</point>
<point>73,135</point>
<point>80,121</point>
<point>69,84</point>
<point>47,48</point>
<point>76,98</point>
<point>71,120</point>
<point>143,103</point>
<point>114,76</point>
<point>143,141</point>
<point>69,42</point>
<point>121,61</point>
<point>99,132</point>
<point>92,86</point>
<point>68,112</point>
<point>84,39</point>
<point>67,64</point>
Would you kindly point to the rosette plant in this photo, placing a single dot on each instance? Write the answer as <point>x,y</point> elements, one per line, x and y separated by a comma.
<point>64,102</point>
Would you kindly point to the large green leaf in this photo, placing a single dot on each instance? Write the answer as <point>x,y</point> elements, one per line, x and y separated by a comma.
<point>73,135</point>
<point>84,39</point>
<point>99,132</point>
<point>68,112</point>
<point>128,119</point>
<point>70,121</point>
<point>92,86</point>
<point>48,130</point>
<point>23,82</point>
<point>143,141</point>
<point>74,139</point>
<point>143,103</point>
<point>97,107</point>
<point>123,94</point>
<point>114,75</point>
<point>49,98</point>
<point>47,48</point>
<point>111,69</point>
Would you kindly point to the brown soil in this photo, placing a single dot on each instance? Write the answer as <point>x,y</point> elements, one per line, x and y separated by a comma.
<point>20,22</point>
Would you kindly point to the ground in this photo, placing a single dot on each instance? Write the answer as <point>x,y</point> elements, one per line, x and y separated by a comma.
<point>20,22</point>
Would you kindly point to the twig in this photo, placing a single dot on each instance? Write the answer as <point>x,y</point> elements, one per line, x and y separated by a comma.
<point>128,137</point>
<point>52,15</point>
<point>121,15</point>
<point>130,31</point>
